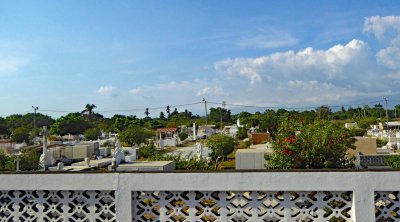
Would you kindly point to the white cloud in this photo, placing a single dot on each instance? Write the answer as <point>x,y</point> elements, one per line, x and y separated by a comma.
<point>11,64</point>
<point>331,64</point>
<point>379,26</point>
<point>135,90</point>
<point>210,91</point>
<point>105,90</point>
<point>387,30</point>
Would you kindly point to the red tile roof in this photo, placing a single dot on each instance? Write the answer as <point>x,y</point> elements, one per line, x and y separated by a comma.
<point>167,130</point>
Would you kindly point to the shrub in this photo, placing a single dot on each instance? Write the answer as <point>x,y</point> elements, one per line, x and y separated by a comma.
<point>92,134</point>
<point>183,136</point>
<point>7,163</point>
<point>381,142</point>
<point>241,133</point>
<point>146,151</point>
<point>321,144</point>
<point>393,161</point>
<point>29,160</point>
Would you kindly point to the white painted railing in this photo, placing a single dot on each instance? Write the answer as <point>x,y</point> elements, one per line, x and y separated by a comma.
<point>208,196</point>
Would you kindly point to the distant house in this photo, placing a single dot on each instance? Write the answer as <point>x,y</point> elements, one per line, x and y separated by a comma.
<point>233,129</point>
<point>167,137</point>
<point>7,146</point>
<point>230,130</point>
<point>206,131</point>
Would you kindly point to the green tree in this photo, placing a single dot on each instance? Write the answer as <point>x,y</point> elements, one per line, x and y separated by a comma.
<point>321,144</point>
<point>220,146</point>
<point>241,133</point>
<point>20,134</point>
<point>89,109</point>
<point>323,112</point>
<point>162,116</point>
<point>134,135</point>
<point>366,122</point>
<point>4,130</point>
<point>168,110</point>
<point>217,114</point>
<point>92,134</point>
<point>72,123</point>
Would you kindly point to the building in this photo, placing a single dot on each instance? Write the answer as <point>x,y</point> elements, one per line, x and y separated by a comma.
<point>167,137</point>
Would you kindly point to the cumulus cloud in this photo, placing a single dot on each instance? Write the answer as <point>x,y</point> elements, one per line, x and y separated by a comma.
<point>379,26</point>
<point>332,64</point>
<point>387,30</point>
<point>105,90</point>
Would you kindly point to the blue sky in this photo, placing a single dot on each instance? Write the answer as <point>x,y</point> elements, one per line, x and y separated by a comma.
<point>124,56</point>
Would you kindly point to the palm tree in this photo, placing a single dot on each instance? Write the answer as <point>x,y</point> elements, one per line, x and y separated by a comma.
<point>168,111</point>
<point>89,109</point>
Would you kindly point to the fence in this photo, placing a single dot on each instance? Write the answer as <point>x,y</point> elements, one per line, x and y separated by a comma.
<point>201,196</point>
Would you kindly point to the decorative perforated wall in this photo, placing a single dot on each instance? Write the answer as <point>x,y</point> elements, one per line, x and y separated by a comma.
<point>387,206</point>
<point>47,205</point>
<point>241,206</point>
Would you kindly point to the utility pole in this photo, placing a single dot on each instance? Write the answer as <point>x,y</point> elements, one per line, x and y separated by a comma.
<point>220,111</point>
<point>387,119</point>
<point>205,106</point>
<point>387,114</point>
<point>35,108</point>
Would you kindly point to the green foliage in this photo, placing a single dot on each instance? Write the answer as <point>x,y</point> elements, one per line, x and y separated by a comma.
<point>357,132</point>
<point>134,135</point>
<point>4,130</point>
<point>146,151</point>
<point>20,134</point>
<point>366,122</point>
<point>381,142</point>
<point>241,133</point>
<point>26,121</point>
<point>181,163</point>
<point>220,145</point>
<point>323,112</point>
<point>393,161</point>
<point>53,138</point>
<point>29,160</point>
<point>72,123</point>
<point>182,136</point>
<point>216,114</point>
<point>321,144</point>
<point>92,134</point>
<point>121,122</point>
<point>7,163</point>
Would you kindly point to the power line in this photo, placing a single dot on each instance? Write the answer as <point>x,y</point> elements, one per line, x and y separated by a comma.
<point>124,110</point>
<point>219,103</point>
<point>293,108</point>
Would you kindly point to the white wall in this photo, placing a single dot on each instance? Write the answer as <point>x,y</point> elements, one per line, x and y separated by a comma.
<point>362,184</point>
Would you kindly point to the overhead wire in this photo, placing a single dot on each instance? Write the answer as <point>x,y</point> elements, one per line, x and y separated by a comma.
<point>217,103</point>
